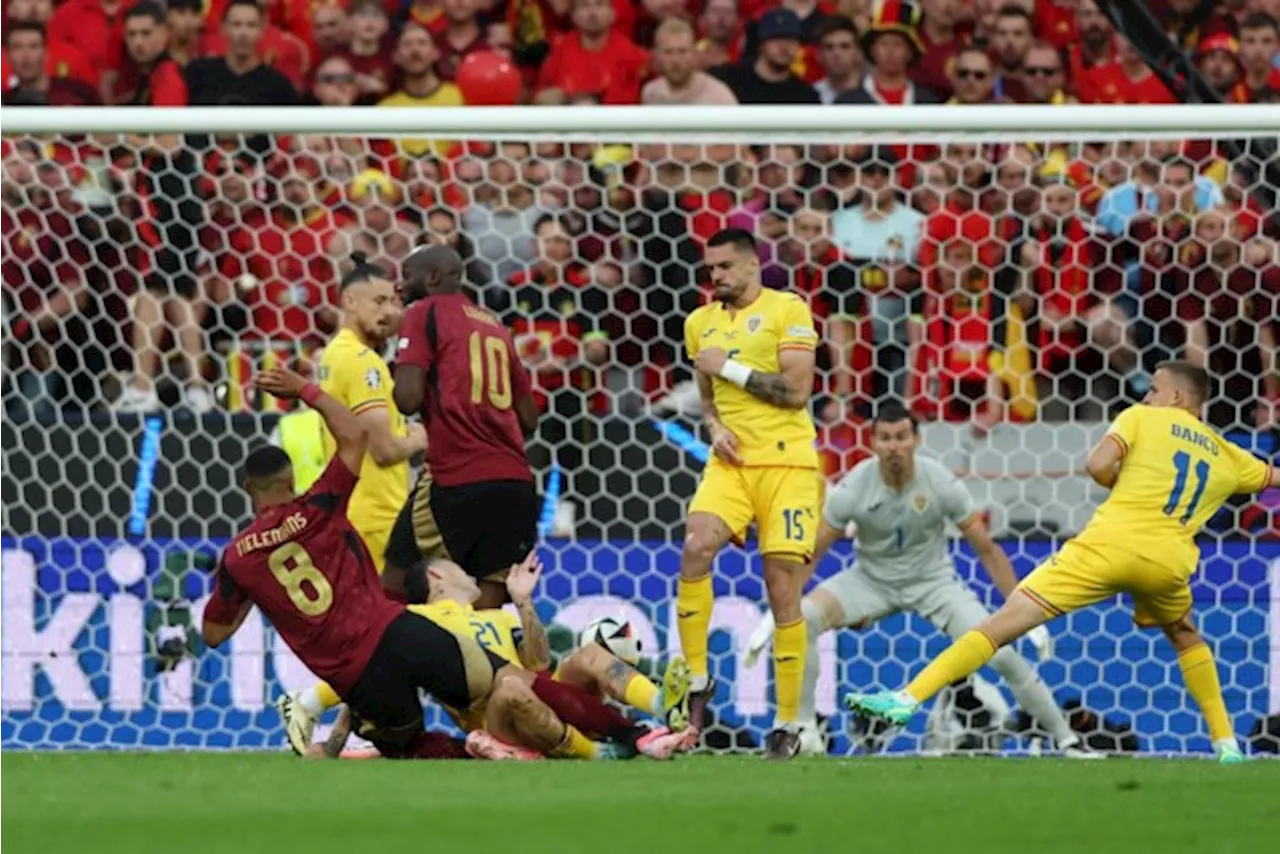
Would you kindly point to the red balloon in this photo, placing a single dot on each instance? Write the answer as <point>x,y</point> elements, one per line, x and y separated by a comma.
<point>489,79</point>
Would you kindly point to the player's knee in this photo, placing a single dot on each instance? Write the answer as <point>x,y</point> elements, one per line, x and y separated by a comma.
<point>814,618</point>
<point>700,547</point>
<point>1182,633</point>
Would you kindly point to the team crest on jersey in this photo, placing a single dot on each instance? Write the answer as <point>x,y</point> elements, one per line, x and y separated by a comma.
<point>920,503</point>
<point>372,378</point>
<point>754,322</point>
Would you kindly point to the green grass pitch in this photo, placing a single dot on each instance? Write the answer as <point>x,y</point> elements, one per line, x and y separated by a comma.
<point>212,803</point>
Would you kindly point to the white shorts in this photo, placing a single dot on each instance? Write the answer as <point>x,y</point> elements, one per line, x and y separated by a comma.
<point>951,605</point>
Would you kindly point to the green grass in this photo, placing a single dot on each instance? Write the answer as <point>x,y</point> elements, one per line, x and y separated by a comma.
<point>211,803</point>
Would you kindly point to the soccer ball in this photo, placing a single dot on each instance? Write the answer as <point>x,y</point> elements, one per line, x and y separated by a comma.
<point>615,634</point>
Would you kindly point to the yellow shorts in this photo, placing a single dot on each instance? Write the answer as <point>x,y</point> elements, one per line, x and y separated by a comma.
<point>376,542</point>
<point>783,502</point>
<point>1081,574</point>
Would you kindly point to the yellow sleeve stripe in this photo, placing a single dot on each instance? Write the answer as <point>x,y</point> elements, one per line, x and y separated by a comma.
<point>1124,446</point>
<point>369,405</point>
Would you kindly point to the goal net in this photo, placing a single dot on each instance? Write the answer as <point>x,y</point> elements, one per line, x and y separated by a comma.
<point>1013,275</point>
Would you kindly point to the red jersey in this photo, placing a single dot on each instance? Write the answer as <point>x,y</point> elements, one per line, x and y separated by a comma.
<point>1108,84</point>
<point>97,34</point>
<point>615,72</point>
<point>311,575</point>
<point>474,377</point>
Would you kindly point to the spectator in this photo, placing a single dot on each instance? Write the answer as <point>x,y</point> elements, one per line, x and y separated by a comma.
<point>1128,80</point>
<point>941,40</point>
<point>371,52</point>
<point>1043,80</point>
<point>679,80</point>
<point>416,56</point>
<point>1174,186</point>
<point>443,229</point>
<point>880,237</point>
<point>1176,16</point>
<point>25,46</point>
<point>239,77</point>
<point>62,59</point>
<point>1218,58</point>
<point>595,58</point>
<point>185,20</point>
<point>1095,45</point>
<point>149,78</point>
<point>769,79</point>
<point>840,58</point>
<point>1010,42</point>
<point>460,35</point>
<point>973,77</point>
<point>96,28</point>
<point>893,45</point>
<point>1260,56</point>
<point>813,14</point>
<point>278,49</point>
<point>721,30</point>
<point>335,83</point>
<point>330,29</point>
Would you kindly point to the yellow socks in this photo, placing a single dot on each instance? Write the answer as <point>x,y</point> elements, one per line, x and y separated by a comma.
<point>642,694</point>
<point>1201,675</point>
<point>693,618</point>
<point>970,651</point>
<point>575,745</point>
<point>788,668</point>
<point>328,697</point>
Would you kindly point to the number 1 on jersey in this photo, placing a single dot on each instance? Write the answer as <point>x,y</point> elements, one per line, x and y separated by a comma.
<point>490,356</point>
<point>1182,465</point>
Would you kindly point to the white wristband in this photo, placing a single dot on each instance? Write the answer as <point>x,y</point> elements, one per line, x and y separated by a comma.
<point>736,373</point>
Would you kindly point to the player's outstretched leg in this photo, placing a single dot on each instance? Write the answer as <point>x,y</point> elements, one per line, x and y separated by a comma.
<point>705,535</point>
<point>1017,616</point>
<point>784,578</point>
<point>1200,673</point>
<point>302,710</point>
<point>597,671</point>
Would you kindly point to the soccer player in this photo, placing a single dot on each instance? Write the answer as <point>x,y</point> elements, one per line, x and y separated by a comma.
<point>753,348</point>
<point>353,373</point>
<point>457,366</point>
<point>1168,473</point>
<point>306,568</point>
<point>901,504</point>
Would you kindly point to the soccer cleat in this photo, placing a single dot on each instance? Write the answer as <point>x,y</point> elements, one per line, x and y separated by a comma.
<point>1076,748</point>
<point>136,400</point>
<point>699,699</point>
<point>892,706</point>
<point>675,693</point>
<point>782,744</point>
<point>663,743</point>
<point>299,725</point>
<point>1229,753</point>
<point>482,745</point>
<point>811,740</point>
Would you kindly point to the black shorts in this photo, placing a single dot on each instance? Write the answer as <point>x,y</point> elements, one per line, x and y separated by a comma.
<point>415,535</point>
<point>416,653</point>
<point>487,526</point>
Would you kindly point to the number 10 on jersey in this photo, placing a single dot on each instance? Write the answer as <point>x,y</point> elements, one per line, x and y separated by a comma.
<point>489,361</point>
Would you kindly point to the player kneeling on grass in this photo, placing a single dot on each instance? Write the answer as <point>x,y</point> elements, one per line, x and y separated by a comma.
<point>492,722</point>
<point>901,504</point>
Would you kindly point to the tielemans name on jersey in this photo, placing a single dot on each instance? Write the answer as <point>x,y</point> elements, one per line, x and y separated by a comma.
<point>286,530</point>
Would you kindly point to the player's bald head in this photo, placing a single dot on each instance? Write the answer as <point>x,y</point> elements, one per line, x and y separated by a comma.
<point>431,270</point>
<point>1177,375</point>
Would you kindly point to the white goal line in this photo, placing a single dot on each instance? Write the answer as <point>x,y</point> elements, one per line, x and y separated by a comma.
<point>667,123</point>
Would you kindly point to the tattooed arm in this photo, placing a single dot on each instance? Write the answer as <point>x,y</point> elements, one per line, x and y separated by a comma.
<point>792,386</point>
<point>535,649</point>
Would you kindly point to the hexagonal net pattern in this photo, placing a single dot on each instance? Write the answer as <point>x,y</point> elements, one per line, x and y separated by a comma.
<point>1015,293</point>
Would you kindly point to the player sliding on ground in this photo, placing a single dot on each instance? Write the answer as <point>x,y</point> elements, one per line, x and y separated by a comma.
<point>306,568</point>
<point>1168,473</point>
<point>352,372</point>
<point>753,348</point>
<point>522,642</point>
<point>901,504</point>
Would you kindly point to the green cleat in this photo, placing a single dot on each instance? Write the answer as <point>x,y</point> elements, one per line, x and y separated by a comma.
<point>1231,754</point>
<point>892,706</point>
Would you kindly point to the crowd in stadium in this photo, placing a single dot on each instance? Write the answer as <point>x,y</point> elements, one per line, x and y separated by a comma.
<point>984,282</point>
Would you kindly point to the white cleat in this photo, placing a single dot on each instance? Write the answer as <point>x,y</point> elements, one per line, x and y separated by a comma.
<point>811,740</point>
<point>1076,748</point>
<point>299,725</point>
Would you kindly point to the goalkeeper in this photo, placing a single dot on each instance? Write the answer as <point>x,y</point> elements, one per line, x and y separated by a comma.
<point>901,505</point>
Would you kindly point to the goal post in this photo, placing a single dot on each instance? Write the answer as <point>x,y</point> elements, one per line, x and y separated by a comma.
<point>1011,273</point>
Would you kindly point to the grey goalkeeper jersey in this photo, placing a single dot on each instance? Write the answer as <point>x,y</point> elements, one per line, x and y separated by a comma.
<point>901,536</point>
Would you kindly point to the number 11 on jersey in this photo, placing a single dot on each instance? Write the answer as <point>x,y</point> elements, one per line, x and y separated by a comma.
<point>1182,465</point>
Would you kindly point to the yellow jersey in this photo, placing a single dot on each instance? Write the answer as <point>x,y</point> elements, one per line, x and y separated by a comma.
<point>1176,473</point>
<point>767,435</point>
<point>356,375</point>
<point>496,630</point>
<point>445,95</point>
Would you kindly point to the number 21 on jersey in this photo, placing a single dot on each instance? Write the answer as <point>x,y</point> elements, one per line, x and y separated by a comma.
<point>490,370</point>
<point>1182,467</point>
